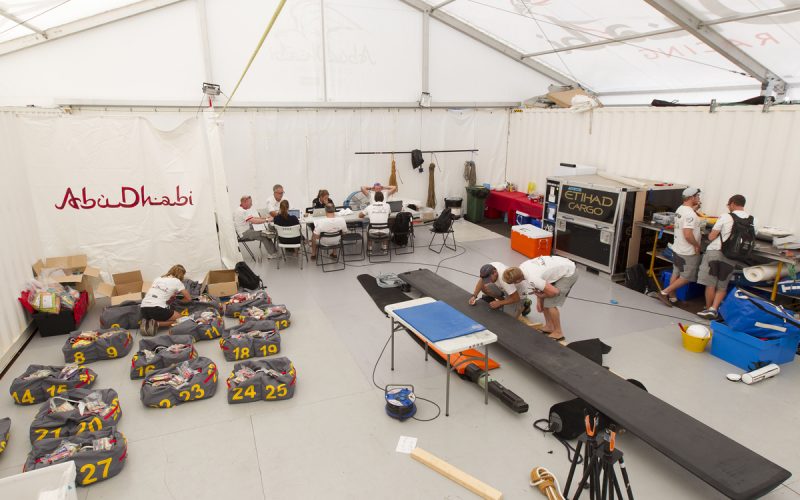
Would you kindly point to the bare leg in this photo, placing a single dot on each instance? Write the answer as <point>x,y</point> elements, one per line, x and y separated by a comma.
<point>555,318</point>
<point>674,284</point>
<point>719,295</point>
<point>170,322</point>
<point>710,293</point>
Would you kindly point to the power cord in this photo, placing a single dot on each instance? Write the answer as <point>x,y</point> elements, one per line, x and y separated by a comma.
<point>569,447</point>
<point>375,368</point>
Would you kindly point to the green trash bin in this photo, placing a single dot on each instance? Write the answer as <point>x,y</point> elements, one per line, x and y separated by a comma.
<point>476,200</point>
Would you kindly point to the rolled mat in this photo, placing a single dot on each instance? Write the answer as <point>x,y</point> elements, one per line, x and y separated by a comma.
<point>763,273</point>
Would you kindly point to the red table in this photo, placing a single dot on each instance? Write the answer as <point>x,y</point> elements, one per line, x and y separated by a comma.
<point>511,202</point>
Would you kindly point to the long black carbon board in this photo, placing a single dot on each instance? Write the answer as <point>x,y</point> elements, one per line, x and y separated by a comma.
<point>726,465</point>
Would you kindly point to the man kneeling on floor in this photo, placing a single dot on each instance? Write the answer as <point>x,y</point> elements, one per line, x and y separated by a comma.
<point>550,279</point>
<point>498,293</point>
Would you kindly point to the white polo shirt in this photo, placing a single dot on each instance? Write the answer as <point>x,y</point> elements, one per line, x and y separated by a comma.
<point>540,271</point>
<point>241,218</point>
<point>685,218</point>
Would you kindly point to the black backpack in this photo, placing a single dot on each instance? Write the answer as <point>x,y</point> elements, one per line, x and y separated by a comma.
<point>416,158</point>
<point>442,223</point>
<point>247,278</point>
<point>742,240</point>
<point>400,228</point>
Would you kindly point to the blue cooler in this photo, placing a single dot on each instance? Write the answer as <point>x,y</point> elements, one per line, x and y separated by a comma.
<point>748,352</point>
<point>523,218</point>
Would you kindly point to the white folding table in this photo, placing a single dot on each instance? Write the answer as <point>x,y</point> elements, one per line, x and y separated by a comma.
<point>448,346</point>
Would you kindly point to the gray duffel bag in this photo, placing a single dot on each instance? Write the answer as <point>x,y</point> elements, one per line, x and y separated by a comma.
<point>189,381</point>
<point>203,303</point>
<point>242,300</point>
<point>126,315</point>
<point>261,380</point>
<point>162,351</point>
<point>40,382</point>
<point>275,312</point>
<point>75,412</point>
<point>5,433</point>
<point>239,344</point>
<point>87,346</point>
<point>206,325</point>
<point>97,455</point>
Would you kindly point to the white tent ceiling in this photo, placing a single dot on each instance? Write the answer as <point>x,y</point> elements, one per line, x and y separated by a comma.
<point>612,47</point>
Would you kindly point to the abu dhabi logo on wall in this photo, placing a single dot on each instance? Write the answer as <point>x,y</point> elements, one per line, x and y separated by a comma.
<point>128,197</point>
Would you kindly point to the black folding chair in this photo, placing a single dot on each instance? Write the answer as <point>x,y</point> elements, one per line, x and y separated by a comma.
<point>445,236</point>
<point>244,242</point>
<point>398,233</point>
<point>354,238</point>
<point>323,249</point>
<point>379,234</point>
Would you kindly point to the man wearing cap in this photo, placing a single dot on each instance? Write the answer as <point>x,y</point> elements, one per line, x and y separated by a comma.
<point>370,191</point>
<point>497,292</point>
<point>686,247</point>
<point>716,269</point>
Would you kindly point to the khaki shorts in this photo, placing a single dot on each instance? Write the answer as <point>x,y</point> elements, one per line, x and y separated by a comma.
<point>715,270</point>
<point>496,292</point>
<point>685,266</point>
<point>564,285</point>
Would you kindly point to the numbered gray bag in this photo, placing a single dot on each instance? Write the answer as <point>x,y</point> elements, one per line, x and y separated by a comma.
<point>278,313</point>
<point>203,303</point>
<point>262,380</point>
<point>239,344</point>
<point>40,382</point>
<point>188,381</point>
<point>75,412</point>
<point>97,455</point>
<point>126,315</point>
<point>87,346</point>
<point>5,433</point>
<point>242,300</point>
<point>162,351</point>
<point>206,325</point>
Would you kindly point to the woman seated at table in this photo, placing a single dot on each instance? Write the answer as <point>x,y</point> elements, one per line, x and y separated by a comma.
<point>321,199</point>
<point>284,219</point>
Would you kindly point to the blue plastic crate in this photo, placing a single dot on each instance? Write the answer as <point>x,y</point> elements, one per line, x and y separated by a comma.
<point>686,292</point>
<point>746,351</point>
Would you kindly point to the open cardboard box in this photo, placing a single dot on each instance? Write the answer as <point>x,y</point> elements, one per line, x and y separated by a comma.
<point>221,283</point>
<point>127,286</point>
<point>70,270</point>
<point>563,99</point>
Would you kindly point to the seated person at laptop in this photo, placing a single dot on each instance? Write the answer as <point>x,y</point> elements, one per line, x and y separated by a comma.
<point>285,219</point>
<point>322,199</point>
<point>243,218</point>
<point>378,213</point>
<point>376,188</point>
<point>330,224</point>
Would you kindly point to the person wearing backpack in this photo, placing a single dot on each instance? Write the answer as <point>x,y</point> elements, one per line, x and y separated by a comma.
<point>717,267</point>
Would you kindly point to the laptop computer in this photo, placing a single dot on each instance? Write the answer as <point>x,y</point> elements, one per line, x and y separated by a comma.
<point>396,206</point>
<point>296,213</point>
<point>318,212</point>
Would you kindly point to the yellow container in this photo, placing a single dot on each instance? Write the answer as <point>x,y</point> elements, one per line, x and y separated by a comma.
<point>694,344</point>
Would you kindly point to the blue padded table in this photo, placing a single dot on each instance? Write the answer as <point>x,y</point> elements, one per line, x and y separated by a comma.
<point>735,471</point>
<point>445,328</point>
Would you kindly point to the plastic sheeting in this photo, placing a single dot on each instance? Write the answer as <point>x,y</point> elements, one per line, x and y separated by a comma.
<point>126,194</point>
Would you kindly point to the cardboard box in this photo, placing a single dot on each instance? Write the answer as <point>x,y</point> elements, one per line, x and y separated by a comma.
<point>531,241</point>
<point>221,283</point>
<point>563,99</point>
<point>69,270</point>
<point>127,286</point>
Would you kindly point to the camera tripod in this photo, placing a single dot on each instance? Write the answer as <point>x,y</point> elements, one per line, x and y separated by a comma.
<point>599,457</point>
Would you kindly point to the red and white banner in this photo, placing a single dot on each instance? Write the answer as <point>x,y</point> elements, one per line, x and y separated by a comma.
<point>125,193</point>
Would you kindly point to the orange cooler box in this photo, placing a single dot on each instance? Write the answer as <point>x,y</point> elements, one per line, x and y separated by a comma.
<point>531,241</point>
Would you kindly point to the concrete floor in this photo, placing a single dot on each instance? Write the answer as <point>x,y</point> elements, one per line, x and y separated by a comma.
<point>333,439</point>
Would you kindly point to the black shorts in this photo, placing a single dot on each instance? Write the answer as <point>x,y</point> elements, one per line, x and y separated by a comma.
<point>156,313</point>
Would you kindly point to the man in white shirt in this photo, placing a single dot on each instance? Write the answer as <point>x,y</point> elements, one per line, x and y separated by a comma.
<point>244,217</point>
<point>716,269</point>
<point>550,279</point>
<point>330,224</point>
<point>378,213</point>
<point>274,203</point>
<point>498,293</point>
<point>371,191</point>
<point>686,247</point>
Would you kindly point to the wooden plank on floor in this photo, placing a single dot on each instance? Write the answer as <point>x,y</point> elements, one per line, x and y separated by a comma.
<point>453,473</point>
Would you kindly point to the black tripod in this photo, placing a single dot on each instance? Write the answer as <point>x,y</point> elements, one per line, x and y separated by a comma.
<point>599,457</point>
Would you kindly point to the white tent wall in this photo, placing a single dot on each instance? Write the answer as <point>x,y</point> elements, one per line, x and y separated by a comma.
<point>734,150</point>
<point>20,247</point>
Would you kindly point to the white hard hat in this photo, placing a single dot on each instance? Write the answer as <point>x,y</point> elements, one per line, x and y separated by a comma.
<point>698,331</point>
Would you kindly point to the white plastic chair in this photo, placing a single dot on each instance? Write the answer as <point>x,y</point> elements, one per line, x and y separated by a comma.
<point>288,232</point>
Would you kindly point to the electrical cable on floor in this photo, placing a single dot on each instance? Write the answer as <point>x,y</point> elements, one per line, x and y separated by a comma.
<point>375,368</point>
<point>569,447</point>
